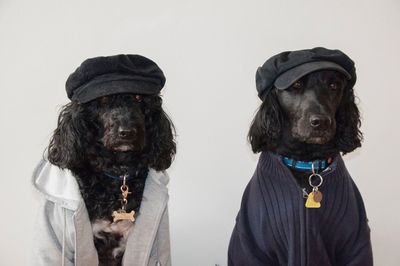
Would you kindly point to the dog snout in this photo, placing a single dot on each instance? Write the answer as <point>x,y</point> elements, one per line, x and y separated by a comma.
<point>125,133</point>
<point>317,121</point>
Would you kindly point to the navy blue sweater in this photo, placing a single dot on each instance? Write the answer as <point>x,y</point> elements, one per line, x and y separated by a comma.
<point>273,227</point>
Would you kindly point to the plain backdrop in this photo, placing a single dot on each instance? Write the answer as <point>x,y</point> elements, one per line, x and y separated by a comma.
<point>209,51</point>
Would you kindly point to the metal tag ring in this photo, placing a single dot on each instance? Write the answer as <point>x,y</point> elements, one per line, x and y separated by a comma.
<point>321,180</point>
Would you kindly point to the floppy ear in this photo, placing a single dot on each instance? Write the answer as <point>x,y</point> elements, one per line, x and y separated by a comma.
<point>266,127</point>
<point>160,133</point>
<point>66,145</point>
<point>348,122</point>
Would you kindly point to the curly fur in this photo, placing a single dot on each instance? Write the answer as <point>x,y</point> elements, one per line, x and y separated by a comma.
<point>77,145</point>
<point>73,141</point>
<point>269,129</point>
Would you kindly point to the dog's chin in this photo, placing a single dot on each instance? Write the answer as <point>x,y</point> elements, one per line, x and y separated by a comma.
<point>318,138</point>
<point>123,148</point>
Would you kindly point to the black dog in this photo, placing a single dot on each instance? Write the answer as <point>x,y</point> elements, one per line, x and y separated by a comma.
<point>308,117</point>
<point>112,136</point>
<point>316,117</point>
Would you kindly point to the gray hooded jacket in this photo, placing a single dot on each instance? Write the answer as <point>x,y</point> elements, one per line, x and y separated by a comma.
<point>64,234</point>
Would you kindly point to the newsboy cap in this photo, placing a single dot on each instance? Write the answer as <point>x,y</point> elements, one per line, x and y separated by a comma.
<point>282,70</point>
<point>107,75</point>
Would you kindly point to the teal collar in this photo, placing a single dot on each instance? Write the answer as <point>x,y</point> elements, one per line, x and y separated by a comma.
<point>128,177</point>
<point>318,165</point>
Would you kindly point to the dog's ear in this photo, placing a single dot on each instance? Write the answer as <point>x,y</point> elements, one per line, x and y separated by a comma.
<point>66,145</point>
<point>348,122</point>
<point>265,130</point>
<point>160,133</point>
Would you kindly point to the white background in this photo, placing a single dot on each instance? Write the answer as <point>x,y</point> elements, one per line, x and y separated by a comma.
<point>209,51</point>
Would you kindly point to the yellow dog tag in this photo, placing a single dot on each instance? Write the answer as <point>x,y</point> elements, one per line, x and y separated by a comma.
<point>311,203</point>
<point>123,215</point>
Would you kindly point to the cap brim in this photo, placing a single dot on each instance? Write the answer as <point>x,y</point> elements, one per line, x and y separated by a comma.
<point>286,79</point>
<point>103,87</point>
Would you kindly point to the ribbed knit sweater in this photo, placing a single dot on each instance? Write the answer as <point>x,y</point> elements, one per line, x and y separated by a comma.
<point>273,226</point>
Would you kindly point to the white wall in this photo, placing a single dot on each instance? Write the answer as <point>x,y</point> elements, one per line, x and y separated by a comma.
<point>209,51</point>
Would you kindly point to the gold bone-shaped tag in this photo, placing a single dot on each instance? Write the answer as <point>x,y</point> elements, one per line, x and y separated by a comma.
<point>123,215</point>
<point>311,203</point>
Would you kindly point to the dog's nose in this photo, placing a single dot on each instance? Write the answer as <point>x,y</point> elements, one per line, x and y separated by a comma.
<point>126,133</point>
<point>319,121</point>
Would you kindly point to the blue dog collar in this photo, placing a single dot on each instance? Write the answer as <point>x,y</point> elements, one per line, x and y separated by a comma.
<point>129,177</point>
<point>318,165</point>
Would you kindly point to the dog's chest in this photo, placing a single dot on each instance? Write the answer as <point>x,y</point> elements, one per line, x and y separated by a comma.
<point>110,238</point>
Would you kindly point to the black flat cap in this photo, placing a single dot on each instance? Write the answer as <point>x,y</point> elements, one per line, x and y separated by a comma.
<point>106,75</point>
<point>282,70</point>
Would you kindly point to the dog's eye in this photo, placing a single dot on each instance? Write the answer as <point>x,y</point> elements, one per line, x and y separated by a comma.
<point>333,86</point>
<point>137,98</point>
<point>297,84</point>
<point>103,100</point>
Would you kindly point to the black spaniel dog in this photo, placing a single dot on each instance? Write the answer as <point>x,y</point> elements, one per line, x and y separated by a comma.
<point>315,118</point>
<point>301,207</point>
<point>111,136</point>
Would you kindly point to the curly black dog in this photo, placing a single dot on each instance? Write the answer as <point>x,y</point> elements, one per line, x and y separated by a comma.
<point>115,135</point>
<point>301,206</point>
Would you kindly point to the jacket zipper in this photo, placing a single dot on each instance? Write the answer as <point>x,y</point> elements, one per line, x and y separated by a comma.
<point>306,237</point>
<point>324,173</point>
